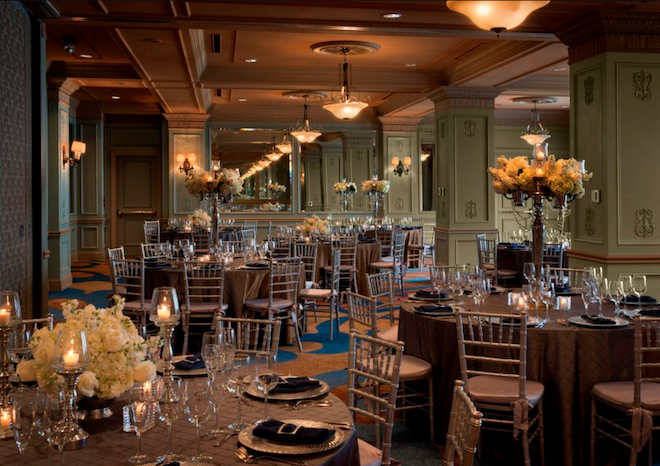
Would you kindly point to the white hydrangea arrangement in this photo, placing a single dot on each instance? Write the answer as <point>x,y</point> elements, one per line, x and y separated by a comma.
<point>346,188</point>
<point>276,188</point>
<point>116,352</point>
<point>200,218</point>
<point>228,181</point>
<point>375,186</point>
<point>315,225</point>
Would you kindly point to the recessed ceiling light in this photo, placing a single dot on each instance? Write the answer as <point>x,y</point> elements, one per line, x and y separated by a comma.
<point>563,68</point>
<point>411,65</point>
<point>115,97</point>
<point>250,60</point>
<point>391,15</point>
<point>242,100</point>
<point>85,55</point>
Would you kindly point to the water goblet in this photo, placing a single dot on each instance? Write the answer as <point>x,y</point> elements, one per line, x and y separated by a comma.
<point>210,355</point>
<point>19,350</point>
<point>547,291</point>
<point>266,376</point>
<point>639,288</point>
<point>141,412</point>
<point>627,285</point>
<point>56,430</point>
<point>170,406</point>
<point>529,271</point>
<point>198,409</point>
<point>239,378</point>
<point>617,295</point>
<point>22,424</point>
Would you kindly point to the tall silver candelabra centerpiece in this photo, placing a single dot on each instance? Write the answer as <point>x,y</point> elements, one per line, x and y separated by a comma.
<point>10,320</point>
<point>345,189</point>
<point>69,362</point>
<point>165,313</point>
<point>375,189</point>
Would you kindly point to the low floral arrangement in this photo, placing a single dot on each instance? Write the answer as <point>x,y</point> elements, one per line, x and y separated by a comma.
<point>227,181</point>
<point>556,177</point>
<point>199,218</point>
<point>116,353</point>
<point>316,225</point>
<point>276,188</point>
<point>269,207</point>
<point>375,186</point>
<point>347,188</point>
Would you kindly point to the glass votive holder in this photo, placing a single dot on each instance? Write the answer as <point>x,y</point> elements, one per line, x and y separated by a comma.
<point>70,354</point>
<point>164,306</point>
<point>512,298</point>
<point>563,303</point>
<point>10,309</point>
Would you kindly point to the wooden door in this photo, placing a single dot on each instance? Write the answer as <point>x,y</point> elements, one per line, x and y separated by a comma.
<point>137,184</point>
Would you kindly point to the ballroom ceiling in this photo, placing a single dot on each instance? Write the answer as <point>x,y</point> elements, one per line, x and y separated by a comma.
<point>237,58</point>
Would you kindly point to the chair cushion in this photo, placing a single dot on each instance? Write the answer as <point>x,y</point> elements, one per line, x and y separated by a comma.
<point>387,259</point>
<point>342,268</point>
<point>136,306</point>
<point>622,394</point>
<point>315,293</point>
<point>415,246</point>
<point>369,455</point>
<point>507,273</point>
<point>381,265</point>
<point>204,307</point>
<point>413,368</point>
<point>487,266</point>
<point>262,303</point>
<point>391,334</point>
<point>501,390</point>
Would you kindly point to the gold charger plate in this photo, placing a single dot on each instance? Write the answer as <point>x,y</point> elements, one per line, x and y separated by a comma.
<point>314,392</point>
<point>261,445</point>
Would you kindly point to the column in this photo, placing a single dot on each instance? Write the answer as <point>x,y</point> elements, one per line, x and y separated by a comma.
<point>59,231</point>
<point>400,140</point>
<point>185,135</point>
<point>92,235</point>
<point>615,108</point>
<point>466,201</point>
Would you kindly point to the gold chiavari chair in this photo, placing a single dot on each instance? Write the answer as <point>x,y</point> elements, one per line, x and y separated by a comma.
<point>493,366</point>
<point>201,237</point>
<point>152,231</point>
<point>252,335</point>
<point>464,428</point>
<point>487,254</point>
<point>307,251</point>
<point>237,246</point>
<point>204,296</point>
<point>29,326</point>
<point>280,245</point>
<point>128,282</point>
<point>347,244</point>
<point>325,300</point>
<point>417,253</point>
<point>380,289</point>
<point>384,237</point>
<point>153,250</point>
<point>635,401</point>
<point>374,364</point>
<point>362,313</point>
<point>281,303</point>
<point>397,266</point>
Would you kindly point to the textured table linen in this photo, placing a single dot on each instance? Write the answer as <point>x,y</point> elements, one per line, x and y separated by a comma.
<point>567,360</point>
<point>514,259</point>
<point>109,445</point>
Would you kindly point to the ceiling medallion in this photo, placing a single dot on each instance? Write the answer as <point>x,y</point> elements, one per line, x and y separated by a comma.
<point>496,16</point>
<point>345,47</point>
<point>535,133</point>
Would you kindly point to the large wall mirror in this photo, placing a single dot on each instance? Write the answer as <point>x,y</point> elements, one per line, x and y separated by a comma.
<point>269,188</point>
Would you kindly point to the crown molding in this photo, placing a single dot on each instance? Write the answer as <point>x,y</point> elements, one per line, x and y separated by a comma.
<point>399,124</point>
<point>464,97</point>
<point>186,120</point>
<point>60,89</point>
<point>522,118</point>
<point>599,32</point>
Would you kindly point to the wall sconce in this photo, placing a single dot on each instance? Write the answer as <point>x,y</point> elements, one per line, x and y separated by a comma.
<point>425,155</point>
<point>401,168</point>
<point>78,148</point>
<point>186,163</point>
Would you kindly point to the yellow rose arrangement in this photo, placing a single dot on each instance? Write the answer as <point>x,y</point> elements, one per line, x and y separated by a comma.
<point>375,186</point>
<point>315,225</point>
<point>226,181</point>
<point>346,188</point>
<point>276,188</point>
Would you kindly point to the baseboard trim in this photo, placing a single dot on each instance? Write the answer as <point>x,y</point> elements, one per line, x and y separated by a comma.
<point>60,284</point>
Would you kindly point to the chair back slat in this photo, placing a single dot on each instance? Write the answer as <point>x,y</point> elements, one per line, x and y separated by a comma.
<point>335,274</point>
<point>116,253</point>
<point>374,363</point>
<point>152,231</point>
<point>380,289</point>
<point>553,255</point>
<point>128,278</point>
<point>647,353</point>
<point>399,246</point>
<point>464,428</point>
<point>284,280</point>
<point>566,275</point>
<point>362,311</point>
<point>252,335</point>
<point>204,282</point>
<point>384,237</point>
<point>201,236</point>
<point>307,252</point>
<point>154,250</point>
<point>347,244</point>
<point>280,245</point>
<point>29,326</point>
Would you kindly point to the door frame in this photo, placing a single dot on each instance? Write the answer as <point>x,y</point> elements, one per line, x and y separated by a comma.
<point>139,152</point>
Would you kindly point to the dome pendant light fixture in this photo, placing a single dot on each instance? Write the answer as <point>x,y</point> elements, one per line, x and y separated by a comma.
<point>305,134</point>
<point>285,145</point>
<point>274,155</point>
<point>496,16</point>
<point>535,133</point>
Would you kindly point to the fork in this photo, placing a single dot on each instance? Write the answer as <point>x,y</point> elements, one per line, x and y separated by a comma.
<point>246,457</point>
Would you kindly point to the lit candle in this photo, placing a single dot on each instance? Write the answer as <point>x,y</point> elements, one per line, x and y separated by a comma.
<point>539,172</point>
<point>563,303</point>
<point>5,420</point>
<point>4,315</point>
<point>146,388</point>
<point>520,304</point>
<point>71,359</point>
<point>163,311</point>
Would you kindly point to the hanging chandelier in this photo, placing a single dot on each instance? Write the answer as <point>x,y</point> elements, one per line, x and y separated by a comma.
<point>535,133</point>
<point>305,134</point>
<point>284,146</point>
<point>274,154</point>
<point>496,16</point>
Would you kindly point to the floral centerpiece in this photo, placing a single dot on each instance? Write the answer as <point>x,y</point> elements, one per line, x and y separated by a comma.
<point>345,188</point>
<point>556,179</point>
<point>276,188</point>
<point>225,182</point>
<point>116,352</point>
<point>375,186</point>
<point>315,226</point>
<point>199,218</point>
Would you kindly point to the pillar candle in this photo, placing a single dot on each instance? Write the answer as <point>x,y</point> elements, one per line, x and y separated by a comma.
<point>71,359</point>
<point>163,311</point>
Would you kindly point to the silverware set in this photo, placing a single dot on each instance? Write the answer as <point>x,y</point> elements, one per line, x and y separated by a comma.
<point>244,455</point>
<point>310,403</point>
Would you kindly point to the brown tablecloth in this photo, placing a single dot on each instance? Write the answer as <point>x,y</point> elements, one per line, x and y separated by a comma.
<point>414,235</point>
<point>109,445</point>
<point>514,259</point>
<point>366,254</point>
<point>567,360</point>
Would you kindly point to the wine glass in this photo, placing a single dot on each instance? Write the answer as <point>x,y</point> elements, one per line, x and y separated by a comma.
<point>210,354</point>
<point>239,378</point>
<point>19,350</point>
<point>586,290</point>
<point>178,247</point>
<point>615,291</point>
<point>170,406</point>
<point>639,288</point>
<point>56,429</point>
<point>627,286</point>
<point>529,271</point>
<point>547,291</point>
<point>216,393</point>
<point>530,293</point>
<point>22,424</point>
<point>198,410</point>
<point>141,412</point>
<point>266,376</point>
<point>457,285</point>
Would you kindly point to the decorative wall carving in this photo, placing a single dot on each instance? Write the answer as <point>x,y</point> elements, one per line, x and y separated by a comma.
<point>589,90</point>
<point>398,146</point>
<point>399,204</point>
<point>644,226</point>
<point>443,209</point>
<point>470,128</point>
<point>186,205</point>
<point>358,155</point>
<point>590,221</point>
<point>643,82</point>
<point>471,209</point>
<point>399,124</point>
<point>360,201</point>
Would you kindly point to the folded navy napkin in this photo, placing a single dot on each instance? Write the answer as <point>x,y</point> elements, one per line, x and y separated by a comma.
<point>435,308</point>
<point>294,385</point>
<point>290,433</point>
<point>598,320</point>
<point>562,288</point>
<point>430,294</point>
<point>256,265</point>
<point>190,363</point>
<point>650,312</point>
<point>644,299</point>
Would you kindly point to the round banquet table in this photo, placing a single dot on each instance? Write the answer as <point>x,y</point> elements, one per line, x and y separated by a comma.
<point>109,445</point>
<point>367,253</point>
<point>225,234</point>
<point>568,360</point>
<point>515,258</point>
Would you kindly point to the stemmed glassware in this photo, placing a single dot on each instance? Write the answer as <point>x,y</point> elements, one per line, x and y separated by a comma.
<point>531,295</point>
<point>198,410</point>
<point>170,407</point>
<point>627,285</point>
<point>56,429</point>
<point>639,288</point>
<point>178,247</point>
<point>615,291</point>
<point>547,292</point>
<point>19,350</point>
<point>457,285</point>
<point>266,376</point>
<point>141,412</point>
<point>586,290</point>
<point>22,424</point>
<point>529,271</point>
<point>239,378</point>
<point>480,290</point>
<point>210,355</point>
